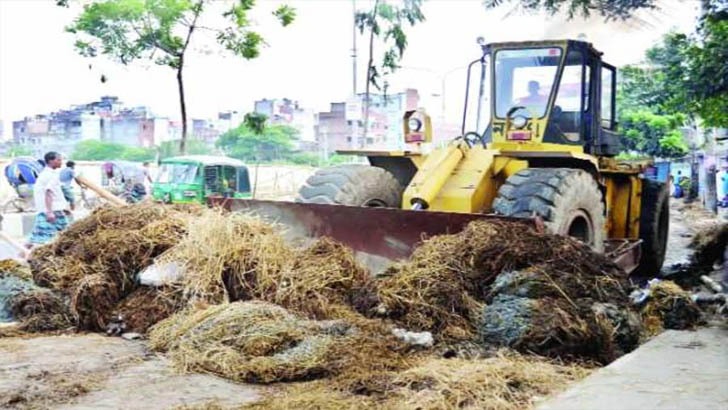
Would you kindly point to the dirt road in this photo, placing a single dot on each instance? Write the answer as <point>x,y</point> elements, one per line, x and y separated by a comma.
<point>98,372</point>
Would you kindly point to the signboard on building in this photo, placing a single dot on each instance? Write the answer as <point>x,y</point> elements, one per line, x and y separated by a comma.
<point>353,109</point>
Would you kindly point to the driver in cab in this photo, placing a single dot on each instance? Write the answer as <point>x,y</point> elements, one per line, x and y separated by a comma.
<point>533,100</point>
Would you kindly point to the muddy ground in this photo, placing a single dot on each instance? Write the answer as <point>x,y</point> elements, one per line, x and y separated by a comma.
<point>97,372</point>
<point>93,371</point>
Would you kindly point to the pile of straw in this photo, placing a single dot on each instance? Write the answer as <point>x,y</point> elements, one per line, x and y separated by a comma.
<point>11,267</point>
<point>506,381</point>
<point>95,261</point>
<point>447,281</point>
<point>145,307</point>
<point>261,342</point>
<point>231,257</point>
<point>41,310</point>
<point>669,307</point>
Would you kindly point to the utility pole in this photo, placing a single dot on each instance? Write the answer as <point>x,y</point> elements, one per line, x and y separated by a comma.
<point>355,122</point>
<point>353,49</point>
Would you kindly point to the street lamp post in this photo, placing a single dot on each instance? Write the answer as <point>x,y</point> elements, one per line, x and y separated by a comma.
<point>442,77</point>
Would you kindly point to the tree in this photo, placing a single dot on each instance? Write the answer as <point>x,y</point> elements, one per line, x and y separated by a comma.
<point>387,22</point>
<point>609,9</point>
<point>194,147</point>
<point>653,134</point>
<point>91,150</point>
<point>271,143</point>
<point>19,151</point>
<point>162,31</point>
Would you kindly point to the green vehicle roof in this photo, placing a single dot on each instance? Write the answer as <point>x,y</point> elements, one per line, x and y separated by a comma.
<point>204,160</point>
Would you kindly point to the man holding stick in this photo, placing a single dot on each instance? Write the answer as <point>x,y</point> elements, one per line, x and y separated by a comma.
<point>50,204</point>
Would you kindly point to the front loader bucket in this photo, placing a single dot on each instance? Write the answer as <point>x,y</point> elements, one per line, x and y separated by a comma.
<point>379,236</point>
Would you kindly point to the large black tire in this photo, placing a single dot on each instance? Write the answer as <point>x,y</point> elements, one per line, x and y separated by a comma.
<point>353,185</point>
<point>568,200</point>
<point>654,227</point>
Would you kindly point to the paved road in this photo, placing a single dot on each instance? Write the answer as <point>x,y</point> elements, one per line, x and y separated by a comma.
<point>675,370</point>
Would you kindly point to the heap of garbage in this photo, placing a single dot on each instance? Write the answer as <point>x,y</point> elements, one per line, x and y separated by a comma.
<point>226,294</point>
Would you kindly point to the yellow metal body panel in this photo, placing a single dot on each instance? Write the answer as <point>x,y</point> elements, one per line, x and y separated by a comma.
<point>535,146</point>
<point>623,204</point>
<point>471,186</point>
<point>432,175</point>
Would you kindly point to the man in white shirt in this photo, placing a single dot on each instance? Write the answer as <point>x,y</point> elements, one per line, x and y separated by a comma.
<point>50,204</point>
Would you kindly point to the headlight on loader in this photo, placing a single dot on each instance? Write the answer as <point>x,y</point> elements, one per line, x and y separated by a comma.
<point>415,125</point>
<point>519,121</point>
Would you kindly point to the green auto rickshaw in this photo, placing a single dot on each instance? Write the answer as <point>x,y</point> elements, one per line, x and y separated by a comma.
<point>194,178</point>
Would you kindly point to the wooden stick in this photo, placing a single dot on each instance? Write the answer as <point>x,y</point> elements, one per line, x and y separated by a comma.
<point>15,244</point>
<point>713,285</point>
<point>101,191</point>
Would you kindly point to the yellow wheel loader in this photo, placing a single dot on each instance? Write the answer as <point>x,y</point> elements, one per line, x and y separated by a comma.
<point>537,145</point>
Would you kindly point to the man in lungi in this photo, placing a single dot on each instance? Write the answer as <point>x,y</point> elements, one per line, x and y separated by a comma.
<point>50,204</point>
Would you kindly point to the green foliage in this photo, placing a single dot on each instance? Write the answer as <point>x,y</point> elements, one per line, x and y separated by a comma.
<point>255,121</point>
<point>684,74</point>
<point>272,143</point>
<point>285,15</point>
<point>341,159</point>
<point>387,21</point>
<point>19,151</point>
<point>162,30</point>
<point>611,9</point>
<point>304,158</point>
<point>108,151</point>
<point>652,134</point>
<point>631,156</point>
<point>194,147</point>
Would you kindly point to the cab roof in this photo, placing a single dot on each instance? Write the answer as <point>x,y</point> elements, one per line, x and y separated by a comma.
<point>205,160</point>
<point>577,44</point>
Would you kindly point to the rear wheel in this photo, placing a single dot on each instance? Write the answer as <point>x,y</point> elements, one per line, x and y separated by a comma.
<point>353,185</point>
<point>654,227</point>
<point>568,200</point>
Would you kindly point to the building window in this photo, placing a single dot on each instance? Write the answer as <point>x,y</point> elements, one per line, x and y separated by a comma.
<point>348,139</point>
<point>370,140</point>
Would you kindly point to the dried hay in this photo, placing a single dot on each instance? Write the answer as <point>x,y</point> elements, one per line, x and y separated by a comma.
<point>503,382</point>
<point>116,242</point>
<point>261,342</point>
<point>448,278</point>
<point>231,257</point>
<point>223,256</point>
<point>93,300</point>
<point>144,307</point>
<point>40,311</point>
<point>710,245</point>
<point>669,307</point>
<point>14,268</point>
<point>95,261</point>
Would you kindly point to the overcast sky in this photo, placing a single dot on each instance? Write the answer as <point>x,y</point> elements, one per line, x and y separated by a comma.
<point>309,61</point>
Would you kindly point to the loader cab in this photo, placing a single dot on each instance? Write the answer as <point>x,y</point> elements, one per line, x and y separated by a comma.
<point>542,96</point>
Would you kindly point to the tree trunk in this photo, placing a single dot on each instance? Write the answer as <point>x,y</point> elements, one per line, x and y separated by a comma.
<point>183,109</point>
<point>370,65</point>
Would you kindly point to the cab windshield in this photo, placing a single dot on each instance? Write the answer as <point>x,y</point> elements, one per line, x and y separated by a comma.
<point>525,78</point>
<point>177,173</point>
